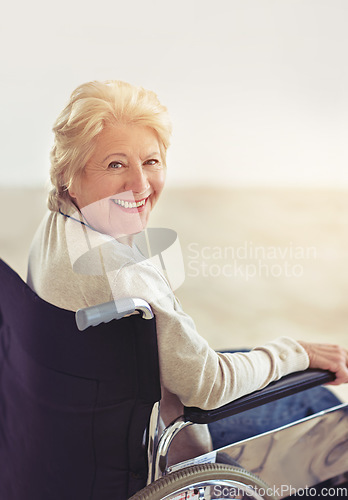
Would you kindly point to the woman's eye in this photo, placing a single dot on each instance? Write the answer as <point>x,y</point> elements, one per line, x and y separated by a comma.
<point>115,165</point>
<point>152,162</point>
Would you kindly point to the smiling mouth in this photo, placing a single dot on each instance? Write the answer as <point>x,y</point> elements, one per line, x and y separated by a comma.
<point>130,204</point>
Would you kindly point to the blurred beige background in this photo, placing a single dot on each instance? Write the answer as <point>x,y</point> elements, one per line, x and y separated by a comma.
<point>299,286</point>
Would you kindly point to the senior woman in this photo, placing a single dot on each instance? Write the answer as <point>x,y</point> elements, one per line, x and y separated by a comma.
<point>108,168</point>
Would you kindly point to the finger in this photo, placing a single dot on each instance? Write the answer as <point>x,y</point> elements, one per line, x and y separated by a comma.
<point>341,373</point>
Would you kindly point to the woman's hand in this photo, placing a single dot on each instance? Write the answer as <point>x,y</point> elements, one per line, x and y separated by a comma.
<point>328,357</point>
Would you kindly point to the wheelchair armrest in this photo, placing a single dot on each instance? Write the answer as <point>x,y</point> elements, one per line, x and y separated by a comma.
<point>290,384</point>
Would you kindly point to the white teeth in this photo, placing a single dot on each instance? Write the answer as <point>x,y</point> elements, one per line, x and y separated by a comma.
<point>119,202</point>
<point>129,204</point>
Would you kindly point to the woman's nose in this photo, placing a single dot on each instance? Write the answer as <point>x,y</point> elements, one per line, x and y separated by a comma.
<point>137,180</point>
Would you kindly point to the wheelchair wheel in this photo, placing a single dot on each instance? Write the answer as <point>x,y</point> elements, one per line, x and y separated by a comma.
<point>218,481</point>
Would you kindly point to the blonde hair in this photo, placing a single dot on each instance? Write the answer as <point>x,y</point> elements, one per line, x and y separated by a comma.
<point>91,106</point>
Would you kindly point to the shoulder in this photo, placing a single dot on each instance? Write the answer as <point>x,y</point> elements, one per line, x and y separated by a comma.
<point>64,265</point>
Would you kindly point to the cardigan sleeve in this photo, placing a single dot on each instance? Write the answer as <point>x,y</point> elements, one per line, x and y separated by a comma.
<point>189,367</point>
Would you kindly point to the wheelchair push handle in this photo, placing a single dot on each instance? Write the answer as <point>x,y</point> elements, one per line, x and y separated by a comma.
<point>115,309</point>
<point>286,386</point>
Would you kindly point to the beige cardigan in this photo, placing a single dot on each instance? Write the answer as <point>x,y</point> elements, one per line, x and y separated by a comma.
<point>72,266</point>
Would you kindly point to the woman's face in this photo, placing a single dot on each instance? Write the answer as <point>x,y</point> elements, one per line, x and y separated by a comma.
<point>122,180</point>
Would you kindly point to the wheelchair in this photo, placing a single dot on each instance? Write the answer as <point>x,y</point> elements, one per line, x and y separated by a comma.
<point>79,410</point>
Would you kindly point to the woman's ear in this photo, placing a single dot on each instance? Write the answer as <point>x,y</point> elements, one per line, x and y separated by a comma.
<point>72,193</point>
<point>73,189</point>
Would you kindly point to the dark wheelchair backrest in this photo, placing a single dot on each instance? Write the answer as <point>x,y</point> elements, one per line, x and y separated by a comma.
<point>74,406</point>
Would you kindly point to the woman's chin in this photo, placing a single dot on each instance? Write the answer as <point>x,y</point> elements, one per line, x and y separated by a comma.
<point>132,227</point>
<point>114,221</point>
